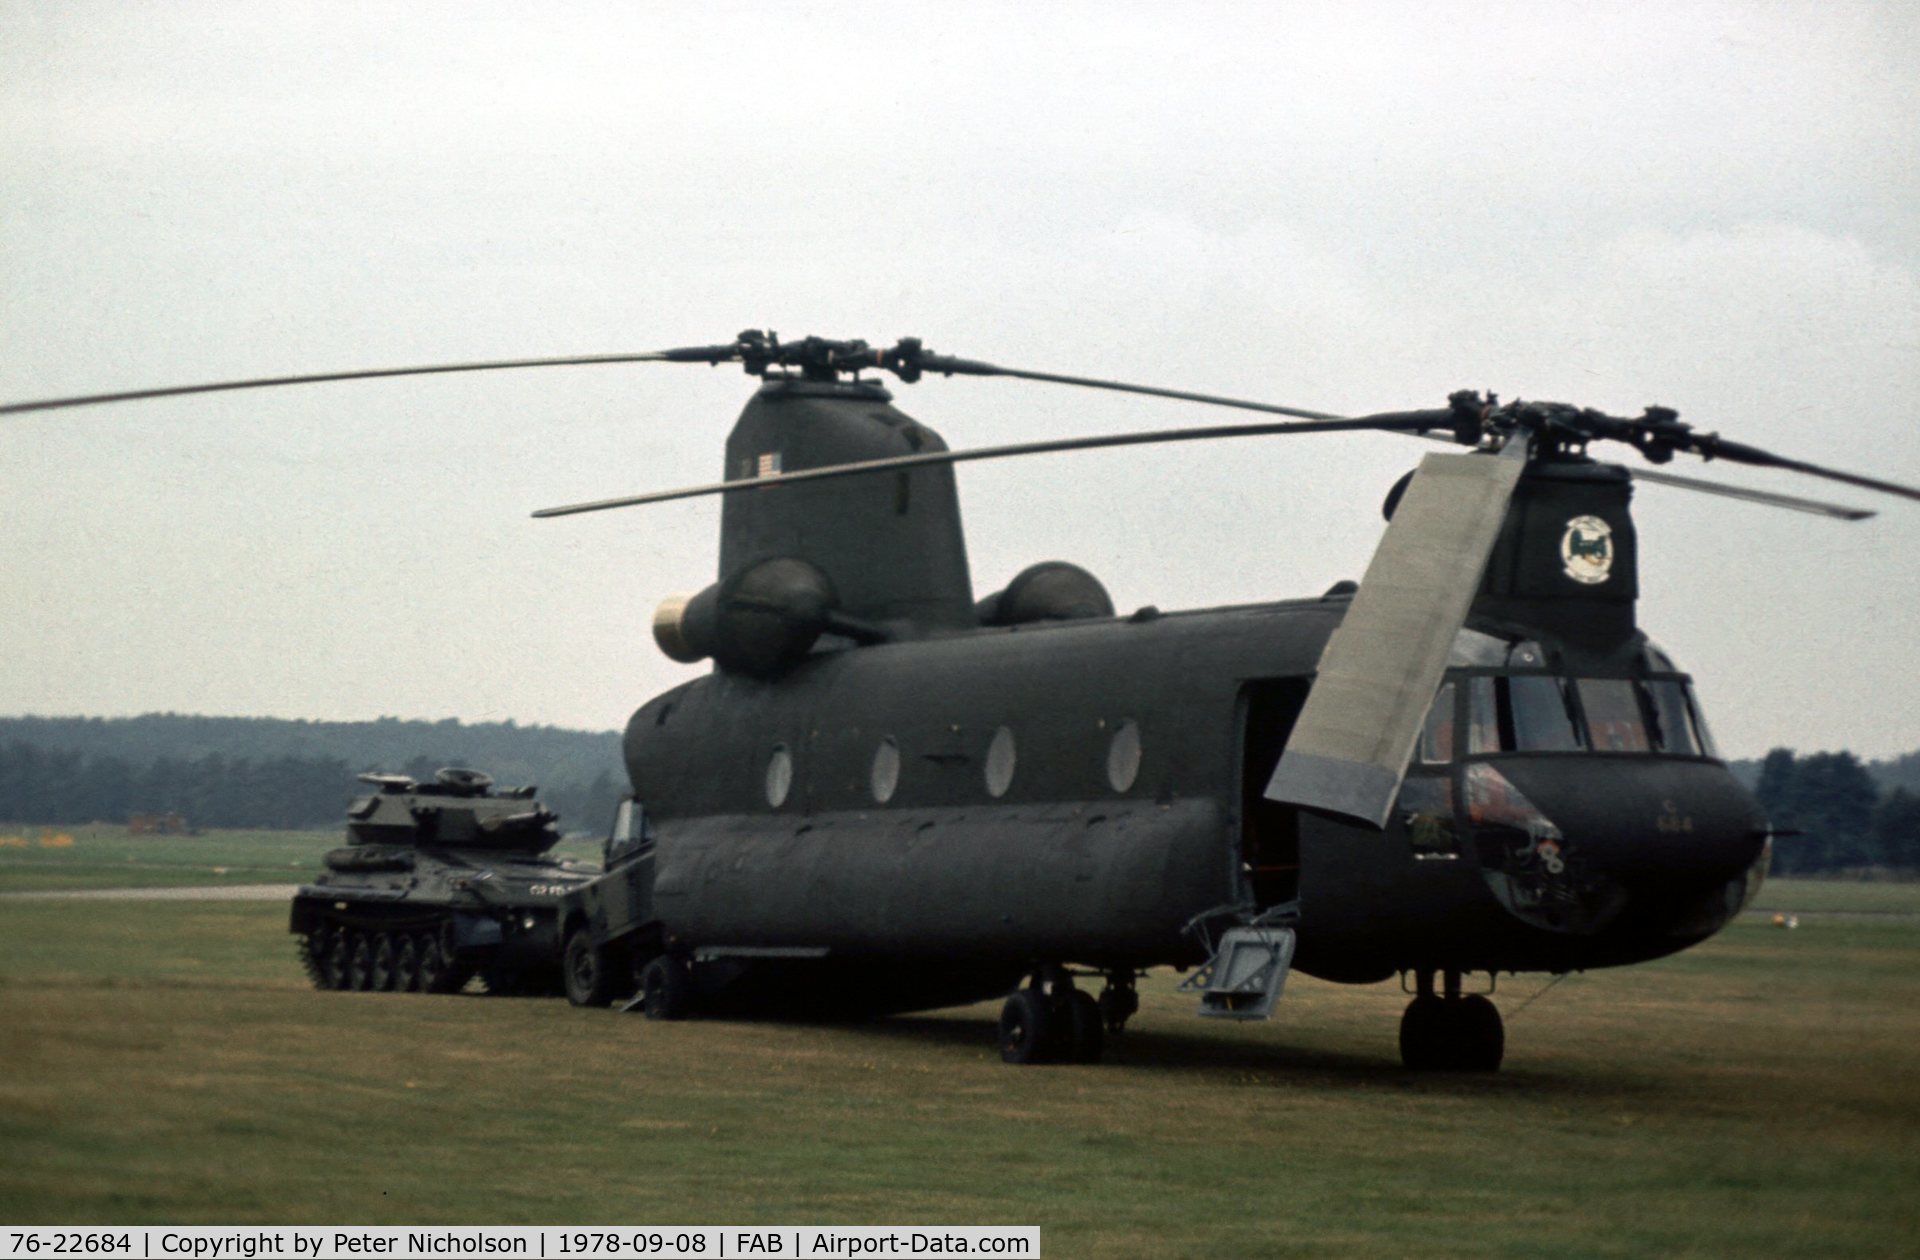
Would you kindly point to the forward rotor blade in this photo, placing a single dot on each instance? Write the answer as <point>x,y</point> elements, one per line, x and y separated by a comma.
<point>314,378</point>
<point>1766,498</point>
<point>1791,502</point>
<point>1712,446</point>
<point>1377,676</point>
<point>1400,421</point>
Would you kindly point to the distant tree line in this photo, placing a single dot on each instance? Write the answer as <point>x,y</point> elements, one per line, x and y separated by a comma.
<point>1846,822</point>
<point>61,786</point>
<point>509,752</point>
<point>273,773</point>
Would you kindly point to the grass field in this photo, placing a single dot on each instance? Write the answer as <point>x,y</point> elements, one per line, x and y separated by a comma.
<point>165,1062</point>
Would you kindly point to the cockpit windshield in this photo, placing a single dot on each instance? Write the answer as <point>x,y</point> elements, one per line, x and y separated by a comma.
<point>1526,708</point>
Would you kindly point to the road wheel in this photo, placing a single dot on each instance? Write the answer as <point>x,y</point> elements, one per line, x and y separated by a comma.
<point>667,987</point>
<point>588,973</point>
<point>339,958</point>
<point>381,978</point>
<point>406,965</point>
<point>313,956</point>
<point>359,963</point>
<point>430,964</point>
<point>1026,1027</point>
<point>1086,1030</point>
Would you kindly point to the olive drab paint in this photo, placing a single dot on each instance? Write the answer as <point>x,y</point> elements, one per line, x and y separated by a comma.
<point>891,543</point>
<point>949,817</point>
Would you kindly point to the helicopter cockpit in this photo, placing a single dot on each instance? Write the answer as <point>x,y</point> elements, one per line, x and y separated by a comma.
<point>1517,737</point>
<point>1502,696</point>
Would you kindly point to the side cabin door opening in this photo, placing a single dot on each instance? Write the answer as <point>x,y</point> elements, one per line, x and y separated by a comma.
<point>1269,831</point>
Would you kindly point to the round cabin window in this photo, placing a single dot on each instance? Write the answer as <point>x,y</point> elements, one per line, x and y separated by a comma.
<point>1000,759</point>
<point>886,770</point>
<point>779,775</point>
<point>1123,756</point>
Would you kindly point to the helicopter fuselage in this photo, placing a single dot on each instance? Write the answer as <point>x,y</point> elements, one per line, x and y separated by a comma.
<point>1090,792</point>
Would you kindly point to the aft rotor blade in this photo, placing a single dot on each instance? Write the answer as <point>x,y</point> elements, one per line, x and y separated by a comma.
<point>1400,421</point>
<point>696,355</point>
<point>1349,750</point>
<point>946,365</point>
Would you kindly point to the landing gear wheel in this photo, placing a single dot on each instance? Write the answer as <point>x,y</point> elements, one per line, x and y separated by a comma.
<point>1479,1035</point>
<point>1117,1006</point>
<point>1086,1030</point>
<point>381,978</point>
<point>430,964</point>
<point>1423,1033</point>
<point>1027,1026</point>
<point>1462,1034</point>
<point>406,966</point>
<point>587,970</point>
<point>667,988</point>
<point>360,964</point>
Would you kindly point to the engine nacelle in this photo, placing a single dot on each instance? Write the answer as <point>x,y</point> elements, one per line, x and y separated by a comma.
<point>760,622</point>
<point>1052,590</point>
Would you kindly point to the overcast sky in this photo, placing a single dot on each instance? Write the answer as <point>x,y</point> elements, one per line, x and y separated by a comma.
<point>1335,206</point>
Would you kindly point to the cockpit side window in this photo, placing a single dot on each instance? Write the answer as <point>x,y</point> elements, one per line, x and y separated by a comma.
<point>1701,731</point>
<point>1673,725</point>
<point>1436,738</point>
<point>1483,717</point>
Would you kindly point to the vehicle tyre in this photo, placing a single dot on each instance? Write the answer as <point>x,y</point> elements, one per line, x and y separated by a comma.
<point>406,966</point>
<point>1479,1037</point>
<point>380,980</point>
<point>1027,1026</point>
<point>667,986</point>
<point>360,963</point>
<point>1424,1034</point>
<point>587,970</point>
<point>1086,1030</point>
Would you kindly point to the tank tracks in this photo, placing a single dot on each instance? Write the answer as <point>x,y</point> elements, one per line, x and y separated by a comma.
<point>383,960</point>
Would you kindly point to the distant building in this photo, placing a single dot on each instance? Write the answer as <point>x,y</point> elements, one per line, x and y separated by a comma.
<point>158,825</point>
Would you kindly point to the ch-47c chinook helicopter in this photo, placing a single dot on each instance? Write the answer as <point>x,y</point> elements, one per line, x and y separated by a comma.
<point>889,795</point>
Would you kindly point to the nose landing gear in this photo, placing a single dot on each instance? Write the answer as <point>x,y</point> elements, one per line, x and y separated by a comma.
<point>1449,1032</point>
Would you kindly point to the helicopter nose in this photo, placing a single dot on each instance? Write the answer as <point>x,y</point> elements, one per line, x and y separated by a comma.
<point>1640,819</point>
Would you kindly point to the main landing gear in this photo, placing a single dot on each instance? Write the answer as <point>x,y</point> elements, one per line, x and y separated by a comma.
<point>1449,1032</point>
<point>1050,1021</point>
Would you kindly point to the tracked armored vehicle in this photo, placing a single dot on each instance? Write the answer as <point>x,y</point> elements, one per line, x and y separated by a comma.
<point>439,882</point>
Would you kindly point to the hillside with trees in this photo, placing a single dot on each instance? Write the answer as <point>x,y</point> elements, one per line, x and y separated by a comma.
<point>1846,819</point>
<point>273,772</point>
